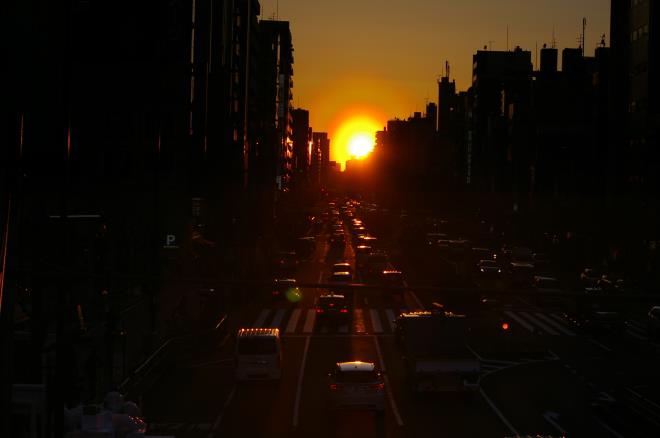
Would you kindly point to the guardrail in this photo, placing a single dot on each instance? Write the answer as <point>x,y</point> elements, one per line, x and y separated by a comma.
<point>161,354</point>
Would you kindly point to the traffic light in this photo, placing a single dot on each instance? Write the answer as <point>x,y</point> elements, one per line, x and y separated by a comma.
<point>505,326</point>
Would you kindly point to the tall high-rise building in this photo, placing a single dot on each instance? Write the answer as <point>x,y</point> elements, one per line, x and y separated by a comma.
<point>275,77</point>
<point>635,59</point>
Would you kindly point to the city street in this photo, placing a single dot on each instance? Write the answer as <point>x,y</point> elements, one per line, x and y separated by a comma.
<point>542,376</point>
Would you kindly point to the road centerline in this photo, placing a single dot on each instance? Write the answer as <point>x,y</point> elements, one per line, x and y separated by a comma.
<point>388,388</point>
<point>296,406</point>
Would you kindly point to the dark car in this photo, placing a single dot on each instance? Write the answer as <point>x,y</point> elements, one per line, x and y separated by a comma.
<point>286,262</point>
<point>332,308</point>
<point>305,246</point>
<point>653,322</point>
<point>393,280</point>
<point>342,266</point>
<point>596,319</point>
<point>489,268</point>
<point>521,274</point>
<point>286,289</point>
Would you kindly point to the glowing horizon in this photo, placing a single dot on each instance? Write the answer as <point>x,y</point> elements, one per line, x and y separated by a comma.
<point>354,137</point>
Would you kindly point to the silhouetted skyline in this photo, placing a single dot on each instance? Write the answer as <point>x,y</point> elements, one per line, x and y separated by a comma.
<point>384,57</point>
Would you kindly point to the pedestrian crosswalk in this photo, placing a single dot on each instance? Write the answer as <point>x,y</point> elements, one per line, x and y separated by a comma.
<point>303,321</point>
<point>540,322</point>
<point>366,320</point>
<point>637,330</point>
<point>556,325</point>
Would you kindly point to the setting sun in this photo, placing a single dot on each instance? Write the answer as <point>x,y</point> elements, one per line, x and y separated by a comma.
<point>354,135</point>
<point>361,144</point>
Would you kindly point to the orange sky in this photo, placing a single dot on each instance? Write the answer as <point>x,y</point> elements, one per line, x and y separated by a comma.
<point>381,59</point>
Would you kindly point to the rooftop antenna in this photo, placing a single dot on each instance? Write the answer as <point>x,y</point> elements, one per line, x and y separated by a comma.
<point>602,40</point>
<point>277,9</point>
<point>584,26</point>
<point>554,41</point>
<point>536,49</point>
<point>507,37</point>
<point>490,45</point>
<point>447,69</point>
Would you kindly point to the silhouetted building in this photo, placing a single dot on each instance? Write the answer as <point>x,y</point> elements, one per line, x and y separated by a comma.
<point>451,135</point>
<point>302,137</point>
<point>275,78</point>
<point>489,162</point>
<point>320,158</point>
<point>404,153</point>
<point>635,53</point>
<point>137,129</point>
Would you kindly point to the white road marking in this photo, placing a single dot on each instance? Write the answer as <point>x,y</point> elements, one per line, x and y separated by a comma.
<point>296,406</point>
<point>498,412</point>
<point>555,324</point>
<point>358,319</point>
<point>636,335</point>
<point>541,324</point>
<point>551,417</point>
<point>388,388</point>
<point>500,362</point>
<point>641,397</point>
<point>309,321</point>
<point>259,322</point>
<point>519,320</point>
<point>417,301</point>
<point>375,321</point>
<point>218,419</point>
<point>637,325</point>
<point>279,315</point>
<point>608,428</point>
<point>598,344</point>
<point>293,321</point>
<point>390,318</point>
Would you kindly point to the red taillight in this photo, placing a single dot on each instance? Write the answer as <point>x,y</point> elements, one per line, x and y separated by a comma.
<point>379,386</point>
<point>335,387</point>
<point>343,311</point>
<point>276,292</point>
<point>505,326</point>
<point>319,310</point>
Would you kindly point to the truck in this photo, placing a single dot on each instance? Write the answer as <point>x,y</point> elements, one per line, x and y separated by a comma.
<point>436,355</point>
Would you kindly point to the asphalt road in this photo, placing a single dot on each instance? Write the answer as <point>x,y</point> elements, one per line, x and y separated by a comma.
<point>542,376</point>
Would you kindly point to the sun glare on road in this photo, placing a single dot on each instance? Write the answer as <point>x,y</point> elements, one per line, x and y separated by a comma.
<point>360,145</point>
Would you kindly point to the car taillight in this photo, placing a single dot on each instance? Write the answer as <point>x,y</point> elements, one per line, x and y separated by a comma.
<point>319,310</point>
<point>276,292</point>
<point>343,311</point>
<point>336,387</point>
<point>378,386</point>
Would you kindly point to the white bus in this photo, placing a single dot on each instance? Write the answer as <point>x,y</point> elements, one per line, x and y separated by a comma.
<point>258,354</point>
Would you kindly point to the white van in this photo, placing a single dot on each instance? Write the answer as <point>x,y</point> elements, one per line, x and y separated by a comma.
<point>258,354</point>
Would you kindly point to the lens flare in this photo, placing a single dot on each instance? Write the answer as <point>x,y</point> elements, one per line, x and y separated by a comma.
<point>293,294</point>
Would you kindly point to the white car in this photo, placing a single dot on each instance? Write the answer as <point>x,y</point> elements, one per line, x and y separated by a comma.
<point>358,385</point>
